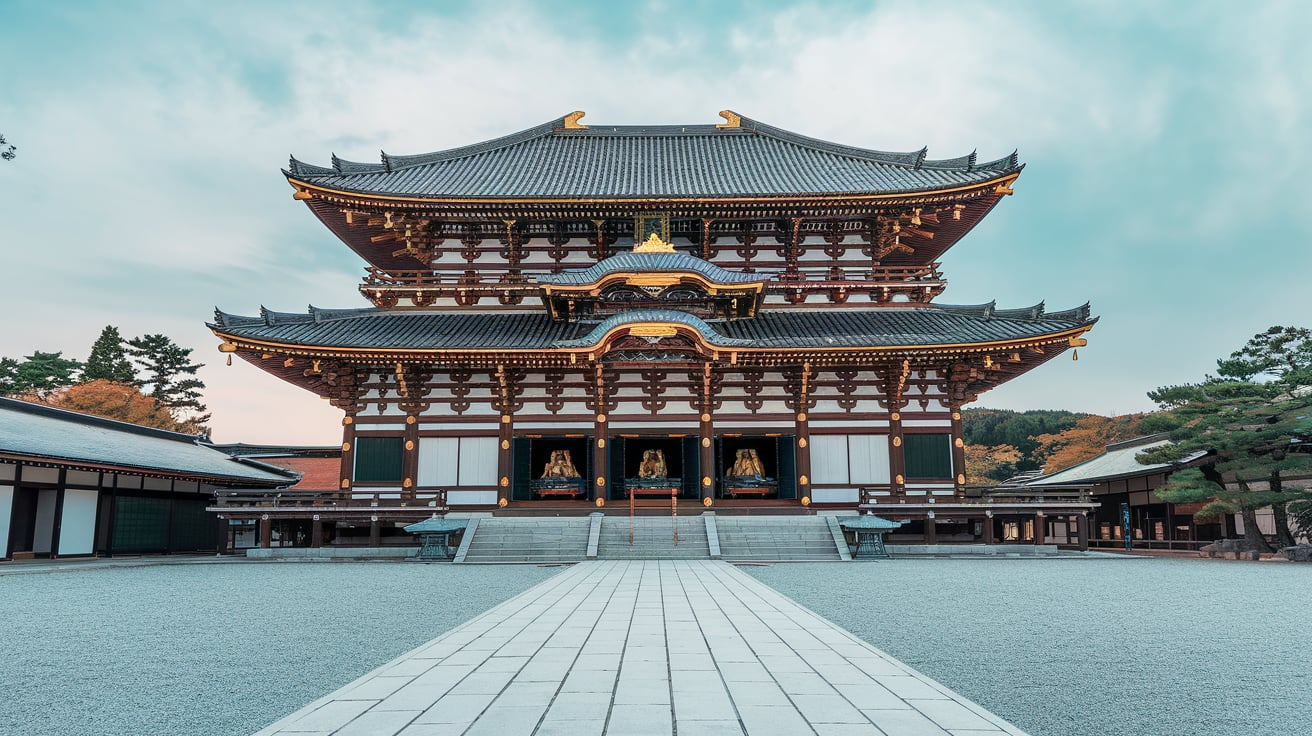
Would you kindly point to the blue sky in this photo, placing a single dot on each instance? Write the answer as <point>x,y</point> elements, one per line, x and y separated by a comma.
<point>1166,150</point>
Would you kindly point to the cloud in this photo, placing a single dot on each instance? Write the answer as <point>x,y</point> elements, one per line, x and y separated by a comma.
<point>148,187</point>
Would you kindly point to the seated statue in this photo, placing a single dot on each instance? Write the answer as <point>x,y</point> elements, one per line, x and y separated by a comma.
<point>560,466</point>
<point>653,465</point>
<point>746,465</point>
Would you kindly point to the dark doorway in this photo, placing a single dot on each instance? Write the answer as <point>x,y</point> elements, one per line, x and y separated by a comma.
<point>22,525</point>
<point>531,459</point>
<point>680,455</point>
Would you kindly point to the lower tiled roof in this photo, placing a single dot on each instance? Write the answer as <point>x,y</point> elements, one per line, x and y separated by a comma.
<point>809,328</point>
<point>65,437</point>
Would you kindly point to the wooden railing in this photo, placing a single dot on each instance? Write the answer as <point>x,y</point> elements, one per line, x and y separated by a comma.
<point>973,495</point>
<point>362,498</point>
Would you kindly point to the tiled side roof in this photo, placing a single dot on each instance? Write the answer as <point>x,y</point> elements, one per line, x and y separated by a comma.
<point>652,263</point>
<point>552,161</point>
<point>45,432</point>
<point>882,327</point>
<point>1117,462</point>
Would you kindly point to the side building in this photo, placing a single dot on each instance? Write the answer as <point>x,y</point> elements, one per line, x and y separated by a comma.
<point>74,485</point>
<point>571,313</point>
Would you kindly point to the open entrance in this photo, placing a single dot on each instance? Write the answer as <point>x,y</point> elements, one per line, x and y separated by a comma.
<point>551,468</point>
<point>756,466</point>
<point>32,522</point>
<point>654,460</point>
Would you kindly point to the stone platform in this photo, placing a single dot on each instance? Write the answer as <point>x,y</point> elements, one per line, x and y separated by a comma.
<point>645,647</point>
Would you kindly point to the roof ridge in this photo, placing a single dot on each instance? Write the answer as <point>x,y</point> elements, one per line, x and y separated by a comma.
<point>30,407</point>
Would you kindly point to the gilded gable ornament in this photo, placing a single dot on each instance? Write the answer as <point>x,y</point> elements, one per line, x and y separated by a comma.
<point>654,244</point>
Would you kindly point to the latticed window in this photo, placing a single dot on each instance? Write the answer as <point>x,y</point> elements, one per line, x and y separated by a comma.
<point>927,456</point>
<point>378,459</point>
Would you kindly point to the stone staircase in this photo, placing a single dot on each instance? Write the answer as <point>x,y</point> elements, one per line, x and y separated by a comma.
<point>530,540</point>
<point>653,538</point>
<point>776,538</point>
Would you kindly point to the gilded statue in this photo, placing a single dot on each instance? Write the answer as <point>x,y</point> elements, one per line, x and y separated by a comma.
<point>653,465</point>
<point>560,466</point>
<point>746,464</point>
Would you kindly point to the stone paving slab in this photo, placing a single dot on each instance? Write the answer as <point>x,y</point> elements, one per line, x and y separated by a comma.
<point>645,647</point>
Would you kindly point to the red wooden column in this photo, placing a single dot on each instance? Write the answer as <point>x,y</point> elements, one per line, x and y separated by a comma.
<point>410,456</point>
<point>707,440</point>
<point>988,528</point>
<point>931,531</point>
<point>958,449</point>
<point>505,432</point>
<point>348,452</point>
<point>804,434</point>
<point>1082,530</point>
<point>1040,527</point>
<point>894,381</point>
<point>266,532</point>
<point>600,449</point>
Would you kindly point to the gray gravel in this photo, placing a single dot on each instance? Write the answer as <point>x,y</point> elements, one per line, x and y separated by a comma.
<point>1122,647</point>
<point>217,649</point>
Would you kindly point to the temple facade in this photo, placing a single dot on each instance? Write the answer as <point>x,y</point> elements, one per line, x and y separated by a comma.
<point>572,313</point>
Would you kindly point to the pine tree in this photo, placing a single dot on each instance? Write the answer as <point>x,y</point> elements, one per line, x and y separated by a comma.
<point>109,359</point>
<point>38,375</point>
<point>169,375</point>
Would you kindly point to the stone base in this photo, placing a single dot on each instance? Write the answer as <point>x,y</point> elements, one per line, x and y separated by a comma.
<point>1028,550</point>
<point>1230,549</point>
<point>1297,553</point>
<point>331,553</point>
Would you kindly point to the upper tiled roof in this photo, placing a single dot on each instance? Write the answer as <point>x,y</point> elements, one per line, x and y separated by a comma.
<point>552,161</point>
<point>44,432</point>
<point>846,328</point>
<point>651,263</point>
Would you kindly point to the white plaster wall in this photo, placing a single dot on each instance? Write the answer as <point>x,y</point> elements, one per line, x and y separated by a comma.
<point>8,471</point>
<point>45,520</point>
<point>469,498</point>
<point>478,461</point>
<point>438,460</point>
<point>158,484</point>
<point>829,459</point>
<point>944,424</point>
<point>77,528</point>
<point>81,478</point>
<point>6,510</point>
<point>129,481</point>
<point>33,474</point>
<point>868,458</point>
<point>835,495</point>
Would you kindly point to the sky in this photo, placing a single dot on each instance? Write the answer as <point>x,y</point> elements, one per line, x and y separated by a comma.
<point>1165,146</point>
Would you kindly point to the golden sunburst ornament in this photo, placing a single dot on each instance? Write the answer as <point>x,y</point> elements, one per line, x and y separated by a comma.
<point>654,244</point>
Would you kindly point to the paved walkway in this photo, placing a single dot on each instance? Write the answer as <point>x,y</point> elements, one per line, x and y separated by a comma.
<point>671,647</point>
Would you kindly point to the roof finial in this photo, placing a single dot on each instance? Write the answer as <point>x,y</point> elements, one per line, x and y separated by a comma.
<point>572,121</point>
<point>731,119</point>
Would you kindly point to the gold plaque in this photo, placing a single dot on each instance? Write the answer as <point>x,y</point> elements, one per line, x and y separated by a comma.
<point>961,478</point>
<point>348,420</point>
<point>505,419</point>
<point>706,481</point>
<point>502,502</point>
<point>706,501</point>
<point>652,331</point>
<point>706,442</point>
<point>803,480</point>
<point>895,417</point>
<point>801,417</point>
<point>505,482</point>
<point>601,481</point>
<point>601,442</point>
<point>959,443</point>
<point>801,442</point>
<point>601,502</point>
<point>898,480</point>
<point>409,445</point>
<point>407,483</point>
<point>706,417</point>
<point>346,447</point>
<point>806,500</point>
<point>505,444</point>
<point>346,482</point>
<point>410,419</point>
<point>897,441</point>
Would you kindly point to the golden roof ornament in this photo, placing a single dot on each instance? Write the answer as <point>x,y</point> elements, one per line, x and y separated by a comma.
<point>654,244</point>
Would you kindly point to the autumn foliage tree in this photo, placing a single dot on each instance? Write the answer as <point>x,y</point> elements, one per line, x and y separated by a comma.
<point>121,401</point>
<point>990,464</point>
<point>1086,440</point>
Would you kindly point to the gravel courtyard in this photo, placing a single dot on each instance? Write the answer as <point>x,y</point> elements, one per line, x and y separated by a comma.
<point>1087,647</point>
<point>215,649</point>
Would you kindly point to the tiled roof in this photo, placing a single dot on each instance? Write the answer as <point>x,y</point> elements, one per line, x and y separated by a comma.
<point>44,432</point>
<point>551,161</point>
<point>414,330</point>
<point>652,263</point>
<point>1117,462</point>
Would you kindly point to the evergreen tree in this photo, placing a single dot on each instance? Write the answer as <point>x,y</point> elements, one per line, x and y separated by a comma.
<point>109,359</point>
<point>169,375</point>
<point>7,150</point>
<point>1255,433</point>
<point>38,374</point>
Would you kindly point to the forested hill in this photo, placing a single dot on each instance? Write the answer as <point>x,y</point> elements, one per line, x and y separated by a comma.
<point>1001,443</point>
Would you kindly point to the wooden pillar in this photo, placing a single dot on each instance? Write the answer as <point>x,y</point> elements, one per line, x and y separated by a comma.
<point>505,433</point>
<point>1040,527</point>
<point>410,456</point>
<point>316,532</point>
<point>803,429</point>
<point>1082,530</point>
<point>988,528</point>
<point>958,450</point>
<point>600,445</point>
<point>707,439</point>
<point>897,466</point>
<point>348,453</point>
<point>931,531</point>
<point>222,546</point>
<point>266,532</point>
<point>375,532</point>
